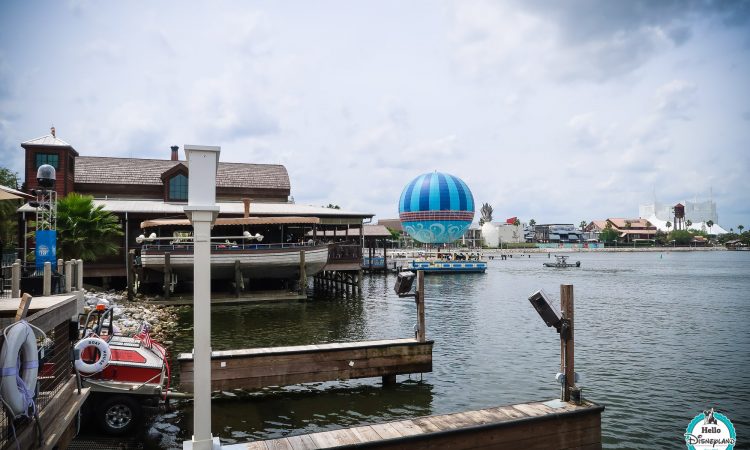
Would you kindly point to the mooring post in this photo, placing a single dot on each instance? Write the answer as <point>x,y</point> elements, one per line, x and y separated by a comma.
<point>47,281</point>
<point>131,274</point>
<point>302,274</point>
<point>15,280</point>
<point>68,276</point>
<point>167,274</point>
<point>79,274</point>
<point>237,278</point>
<point>419,298</point>
<point>566,339</point>
<point>202,211</point>
<point>359,282</point>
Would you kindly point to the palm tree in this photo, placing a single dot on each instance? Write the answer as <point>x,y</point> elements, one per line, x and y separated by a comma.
<point>486,214</point>
<point>668,225</point>
<point>85,231</point>
<point>740,227</point>
<point>582,224</point>
<point>710,223</point>
<point>532,222</point>
<point>688,223</point>
<point>516,222</point>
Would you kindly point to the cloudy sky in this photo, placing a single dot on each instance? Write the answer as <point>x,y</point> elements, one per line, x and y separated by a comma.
<point>557,111</point>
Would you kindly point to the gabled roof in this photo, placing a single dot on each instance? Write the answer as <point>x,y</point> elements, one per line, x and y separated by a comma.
<point>634,223</point>
<point>47,140</point>
<point>597,224</point>
<point>99,169</point>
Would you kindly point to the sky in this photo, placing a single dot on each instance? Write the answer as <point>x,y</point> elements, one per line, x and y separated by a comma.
<point>556,111</point>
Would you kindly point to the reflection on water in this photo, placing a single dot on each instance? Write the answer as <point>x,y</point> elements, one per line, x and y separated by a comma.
<point>659,338</point>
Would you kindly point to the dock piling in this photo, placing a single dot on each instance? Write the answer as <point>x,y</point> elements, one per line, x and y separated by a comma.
<point>302,274</point>
<point>68,276</point>
<point>566,340</point>
<point>167,274</point>
<point>419,298</point>
<point>15,282</point>
<point>47,281</point>
<point>131,274</point>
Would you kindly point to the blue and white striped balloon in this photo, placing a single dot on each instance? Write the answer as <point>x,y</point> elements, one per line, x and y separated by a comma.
<point>436,208</point>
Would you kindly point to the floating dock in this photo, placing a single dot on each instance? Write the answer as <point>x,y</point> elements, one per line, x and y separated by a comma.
<point>540,425</point>
<point>256,368</point>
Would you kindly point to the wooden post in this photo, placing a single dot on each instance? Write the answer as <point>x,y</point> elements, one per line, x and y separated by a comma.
<point>23,307</point>
<point>79,274</point>
<point>15,280</point>
<point>167,274</point>
<point>47,280</point>
<point>237,278</point>
<point>302,274</point>
<point>131,274</point>
<point>359,283</point>
<point>420,306</point>
<point>68,276</point>
<point>566,305</point>
<point>385,255</point>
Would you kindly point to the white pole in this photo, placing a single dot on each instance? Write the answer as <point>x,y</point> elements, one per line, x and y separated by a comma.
<point>202,212</point>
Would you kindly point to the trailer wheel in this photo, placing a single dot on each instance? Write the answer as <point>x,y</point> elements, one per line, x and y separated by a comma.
<point>118,415</point>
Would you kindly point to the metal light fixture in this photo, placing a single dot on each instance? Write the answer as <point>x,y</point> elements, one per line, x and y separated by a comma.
<point>404,282</point>
<point>550,316</point>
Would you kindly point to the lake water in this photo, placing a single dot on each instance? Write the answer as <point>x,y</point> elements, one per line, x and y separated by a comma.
<point>659,338</point>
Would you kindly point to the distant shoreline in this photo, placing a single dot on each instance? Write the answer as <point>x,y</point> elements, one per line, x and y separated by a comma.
<point>497,251</point>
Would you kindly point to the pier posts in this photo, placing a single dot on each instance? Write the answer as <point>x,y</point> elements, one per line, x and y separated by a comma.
<point>47,280</point>
<point>302,274</point>
<point>68,276</point>
<point>359,283</point>
<point>15,281</point>
<point>237,278</point>
<point>419,298</point>
<point>167,274</point>
<point>566,340</point>
<point>131,274</point>
<point>79,275</point>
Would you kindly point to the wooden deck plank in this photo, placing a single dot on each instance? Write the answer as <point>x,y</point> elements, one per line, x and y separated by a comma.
<point>406,428</point>
<point>302,442</point>
<point>257,445</point>
<point>280,444</point>
<point>365,433</point>
<point>386,430</point>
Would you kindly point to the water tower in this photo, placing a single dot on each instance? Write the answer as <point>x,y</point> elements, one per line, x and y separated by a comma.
<point>679,216</point>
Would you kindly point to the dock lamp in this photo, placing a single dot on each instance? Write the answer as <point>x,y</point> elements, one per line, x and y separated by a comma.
<point>563,324</point>
<point>404,283</point>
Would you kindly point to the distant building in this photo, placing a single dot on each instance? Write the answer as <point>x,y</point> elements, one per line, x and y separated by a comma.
<point>557,232</point>
<point>627,230</point>
<point>698,213</point>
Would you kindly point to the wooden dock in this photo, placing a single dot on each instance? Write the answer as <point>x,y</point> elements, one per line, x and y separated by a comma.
<point>256,368</point>
<point>540,425</point>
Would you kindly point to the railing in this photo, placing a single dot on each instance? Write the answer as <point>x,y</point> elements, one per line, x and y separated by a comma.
<point>345,253</point>
<point>189,246</point>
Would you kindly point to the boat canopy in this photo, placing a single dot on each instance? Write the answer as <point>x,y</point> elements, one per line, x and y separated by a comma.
<point>226,221</point>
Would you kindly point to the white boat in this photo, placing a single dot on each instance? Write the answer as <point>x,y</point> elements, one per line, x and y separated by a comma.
<point>255,260</point>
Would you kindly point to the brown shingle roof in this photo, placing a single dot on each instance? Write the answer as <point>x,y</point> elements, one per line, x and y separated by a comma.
<point>98,169</point>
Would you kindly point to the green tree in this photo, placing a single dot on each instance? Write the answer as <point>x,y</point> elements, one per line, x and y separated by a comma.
<point>608,234</point>
<point>582,224</point>
<point>516,222</point>
<point>532,222</point>
<point>740,227</point>
<point>8,215</point>
<point>681,237</point>
<point>486,212</point>
<point>332,206</point>
<point>709,223</point>
<point>668,225</point>
<point>85,231</point>
<point>688,223</point>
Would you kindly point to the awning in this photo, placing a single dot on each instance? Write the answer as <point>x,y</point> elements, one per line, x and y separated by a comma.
<point>226,221</point>
<point>7,193</point>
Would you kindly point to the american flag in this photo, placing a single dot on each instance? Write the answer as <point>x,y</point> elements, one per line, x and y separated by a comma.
<point>145,338</point>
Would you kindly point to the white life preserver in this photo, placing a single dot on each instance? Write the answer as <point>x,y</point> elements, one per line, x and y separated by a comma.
<point>98,365</point>
<point>19,342</point>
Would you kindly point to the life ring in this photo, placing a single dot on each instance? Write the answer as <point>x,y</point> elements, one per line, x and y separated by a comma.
<point>101,362</point>
<point>19,342</point>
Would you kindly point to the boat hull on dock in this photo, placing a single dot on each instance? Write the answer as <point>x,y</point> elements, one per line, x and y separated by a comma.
<point>254,263</point>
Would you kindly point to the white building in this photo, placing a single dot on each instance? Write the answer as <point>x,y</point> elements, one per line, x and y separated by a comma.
<point>698,213</point>
<point>495,233</point>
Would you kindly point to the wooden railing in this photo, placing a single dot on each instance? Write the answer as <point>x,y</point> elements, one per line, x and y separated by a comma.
<point>345,253</point>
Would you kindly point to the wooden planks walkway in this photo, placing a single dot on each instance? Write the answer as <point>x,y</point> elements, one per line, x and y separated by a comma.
<point>256,368</point>
<point>539,425</point>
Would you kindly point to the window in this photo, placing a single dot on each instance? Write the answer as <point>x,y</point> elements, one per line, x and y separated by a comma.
<point>47,158</point>
<point>178,187</point>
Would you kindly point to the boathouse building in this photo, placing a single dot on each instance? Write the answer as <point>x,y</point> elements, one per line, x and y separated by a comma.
<point>140,189</point>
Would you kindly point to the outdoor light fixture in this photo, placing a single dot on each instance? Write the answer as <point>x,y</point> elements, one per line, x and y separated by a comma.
<point>45,175</point>
<point>550,316</point>
<point>404,282</point>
